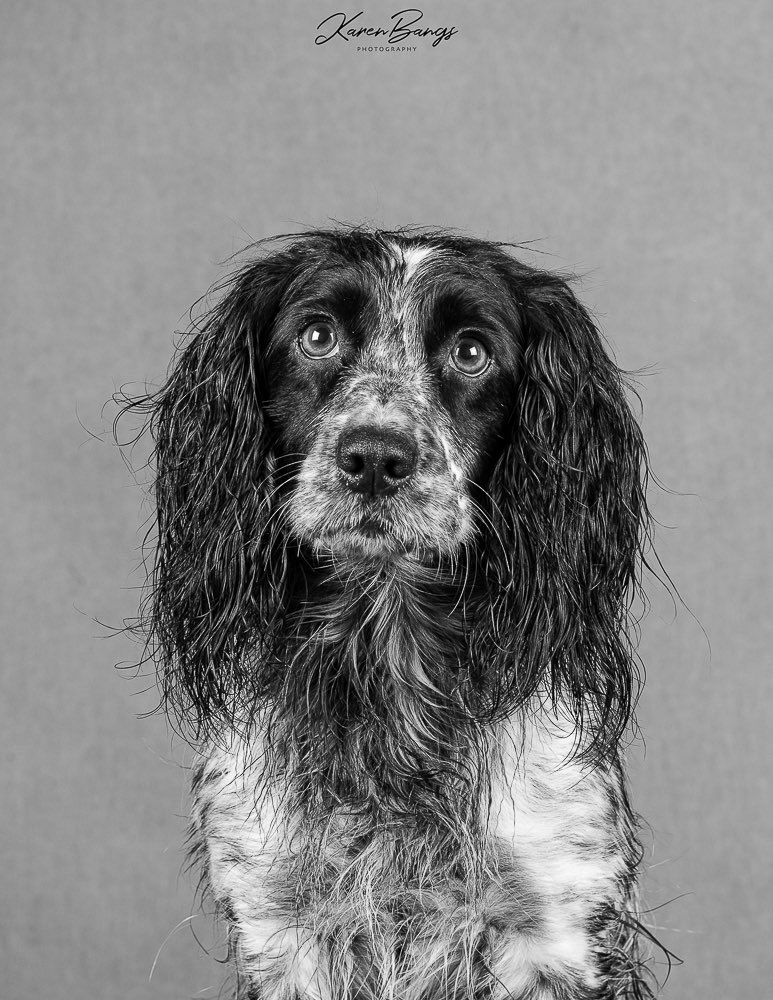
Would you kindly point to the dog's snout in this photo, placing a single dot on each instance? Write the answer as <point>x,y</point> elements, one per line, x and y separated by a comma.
<point>375,460</point>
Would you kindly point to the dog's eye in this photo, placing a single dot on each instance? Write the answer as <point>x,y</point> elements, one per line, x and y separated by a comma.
<point>469,356</point>
<point>319,340</point>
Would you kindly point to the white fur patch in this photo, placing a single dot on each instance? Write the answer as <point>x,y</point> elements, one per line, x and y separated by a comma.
<point>453,467</point>
<point>548,813</point>
<point>407,261</point>
<point>413,258</point>
<point>552,814</point>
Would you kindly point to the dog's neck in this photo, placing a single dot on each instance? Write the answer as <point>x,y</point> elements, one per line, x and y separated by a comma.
<point>372,712</point>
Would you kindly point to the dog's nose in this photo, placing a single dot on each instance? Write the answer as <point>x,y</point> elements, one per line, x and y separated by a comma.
<point>375,460</point>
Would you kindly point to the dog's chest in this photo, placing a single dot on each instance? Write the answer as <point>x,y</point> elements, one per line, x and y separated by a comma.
<point>558,822</point>
<point>551,812</point>
<point>554,842</point>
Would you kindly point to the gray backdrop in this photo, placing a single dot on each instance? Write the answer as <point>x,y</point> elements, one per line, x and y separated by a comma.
<point>142,144</point>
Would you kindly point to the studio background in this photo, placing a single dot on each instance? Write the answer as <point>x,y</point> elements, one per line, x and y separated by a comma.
<point>143,144</point>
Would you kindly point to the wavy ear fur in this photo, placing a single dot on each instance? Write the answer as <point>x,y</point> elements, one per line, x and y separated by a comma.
<point>214,585</point>
<point>569,506</point>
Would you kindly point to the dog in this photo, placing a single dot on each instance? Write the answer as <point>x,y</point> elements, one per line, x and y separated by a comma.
<point>401,516</point>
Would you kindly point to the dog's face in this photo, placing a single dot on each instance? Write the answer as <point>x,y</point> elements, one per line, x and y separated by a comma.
<point>390,378</point>
<point>378,397</point>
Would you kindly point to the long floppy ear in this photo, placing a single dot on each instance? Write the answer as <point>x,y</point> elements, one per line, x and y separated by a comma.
<point>216,581</point>
<point>569,503</point>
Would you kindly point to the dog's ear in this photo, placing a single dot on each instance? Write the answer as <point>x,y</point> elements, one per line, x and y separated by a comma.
<point>217,577</point>
<point>570,512</point>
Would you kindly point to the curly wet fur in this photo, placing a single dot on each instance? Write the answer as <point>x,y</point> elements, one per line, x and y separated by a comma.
<point>410,782</point>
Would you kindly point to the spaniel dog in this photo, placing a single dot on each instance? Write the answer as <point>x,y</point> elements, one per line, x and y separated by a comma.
<point>401,515</point>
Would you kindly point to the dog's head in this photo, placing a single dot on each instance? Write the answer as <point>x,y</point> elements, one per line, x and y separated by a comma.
<point>389,376</point>
<point>402,398</point>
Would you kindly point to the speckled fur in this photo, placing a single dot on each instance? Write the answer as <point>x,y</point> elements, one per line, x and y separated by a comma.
<point>558,860</point>
<point>408,707</point>
<point>529,900</point>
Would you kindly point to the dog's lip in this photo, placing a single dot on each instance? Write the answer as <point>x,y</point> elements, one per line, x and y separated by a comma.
<point>368,533</point>
<point>368,529</point>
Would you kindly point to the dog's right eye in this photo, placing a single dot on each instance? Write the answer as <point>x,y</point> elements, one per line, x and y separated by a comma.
<point>319,340</point>
<point>470,356</point>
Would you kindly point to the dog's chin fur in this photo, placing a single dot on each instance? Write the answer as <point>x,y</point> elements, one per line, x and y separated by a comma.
<point>409,699</point>
<point>380,541</point>
<point>365,544</point>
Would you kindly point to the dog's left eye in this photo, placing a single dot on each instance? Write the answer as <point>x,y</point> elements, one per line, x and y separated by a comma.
<point>319,340</point>
<point>469,356</point>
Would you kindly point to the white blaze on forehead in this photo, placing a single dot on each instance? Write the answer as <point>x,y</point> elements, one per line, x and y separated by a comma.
<point>407,260</point>
<point>412,258</point>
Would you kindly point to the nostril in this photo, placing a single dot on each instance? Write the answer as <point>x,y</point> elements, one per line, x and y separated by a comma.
<point>400,466</point>
<point>350,461</point>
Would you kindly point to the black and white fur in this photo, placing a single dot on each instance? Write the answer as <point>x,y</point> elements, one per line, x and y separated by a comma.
<point>401,513</point>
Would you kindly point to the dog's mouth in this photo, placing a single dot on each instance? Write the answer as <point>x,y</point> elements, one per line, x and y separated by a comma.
<point>368,537</point>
